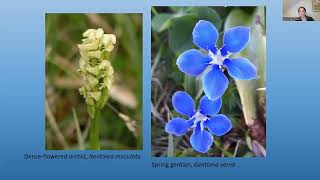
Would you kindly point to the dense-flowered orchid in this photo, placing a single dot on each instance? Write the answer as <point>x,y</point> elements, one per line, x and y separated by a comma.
<point>193,62</point>
<point>95,68</point>
<point>97,74</point>
<point>201,120</point>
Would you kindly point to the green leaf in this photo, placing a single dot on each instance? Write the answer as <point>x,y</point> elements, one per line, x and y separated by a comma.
<point>193,86</point>
<point>161,22</point>
<point>209,14</point>
<point>246,90</point>
<point>255,52</point>
<point>180,33</point>
<point>259,45</point>
<point>237,17</point>
<point>103,99</point>
<point>181,27</point>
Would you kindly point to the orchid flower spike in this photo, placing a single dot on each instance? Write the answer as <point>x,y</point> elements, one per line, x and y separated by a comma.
<point>95,68</point>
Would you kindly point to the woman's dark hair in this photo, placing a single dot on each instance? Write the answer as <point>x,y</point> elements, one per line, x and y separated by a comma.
<point>302,8</point>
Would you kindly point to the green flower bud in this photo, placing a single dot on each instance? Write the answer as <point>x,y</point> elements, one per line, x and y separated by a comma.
<point>95,95</point>
<point>108,41</point>
<point>95,68</point>
<point>95,54</point>
<point>88,47</point>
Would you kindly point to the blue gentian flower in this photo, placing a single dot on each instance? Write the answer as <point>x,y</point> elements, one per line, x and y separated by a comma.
<point>205,121</point>
<point>193,62</point>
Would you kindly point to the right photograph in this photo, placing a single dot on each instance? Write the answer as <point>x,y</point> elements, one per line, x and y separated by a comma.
<point>208,72</point>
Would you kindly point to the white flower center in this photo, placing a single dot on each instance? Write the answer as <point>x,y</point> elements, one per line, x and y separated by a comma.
<point>217,58</point>
<point>199,117</point>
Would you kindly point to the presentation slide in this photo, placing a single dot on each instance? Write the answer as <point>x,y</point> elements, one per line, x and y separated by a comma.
<point>159,89</point>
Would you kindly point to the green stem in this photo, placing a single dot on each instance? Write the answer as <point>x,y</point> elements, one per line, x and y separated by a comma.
<point>94,131</point>
<point>170,146</point>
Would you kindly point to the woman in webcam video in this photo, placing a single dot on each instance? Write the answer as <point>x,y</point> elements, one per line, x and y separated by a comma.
<point>302,15</point>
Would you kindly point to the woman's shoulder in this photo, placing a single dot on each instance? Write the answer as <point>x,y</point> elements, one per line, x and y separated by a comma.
<point>309,18</point>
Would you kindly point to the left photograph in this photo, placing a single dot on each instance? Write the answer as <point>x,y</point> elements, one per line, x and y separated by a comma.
<point>93,81</point>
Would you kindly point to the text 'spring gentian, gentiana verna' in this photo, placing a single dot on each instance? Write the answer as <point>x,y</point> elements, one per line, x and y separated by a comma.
<point>201,120</point>
<point>193,62</point>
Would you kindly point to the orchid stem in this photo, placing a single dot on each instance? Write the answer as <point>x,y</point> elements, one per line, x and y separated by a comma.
<point>94,131</point>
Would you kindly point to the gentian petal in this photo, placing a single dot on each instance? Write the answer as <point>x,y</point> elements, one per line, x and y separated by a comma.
<point>205,35</point>
<point>192,62</point>
<point>210,107</point>
<point>190,122</point>
<point>215,83</point>
<point>240,68</point>
<point>201,141</point>
<point>183,103</point>
<point>219,125</point>
<point>236,38</point>
<point>177,126</point>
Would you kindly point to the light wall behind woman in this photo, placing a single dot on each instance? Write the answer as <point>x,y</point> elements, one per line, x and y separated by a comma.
<point>290,8</point>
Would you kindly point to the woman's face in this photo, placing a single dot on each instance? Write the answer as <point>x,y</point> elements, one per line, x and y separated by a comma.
<point>302,12</point>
